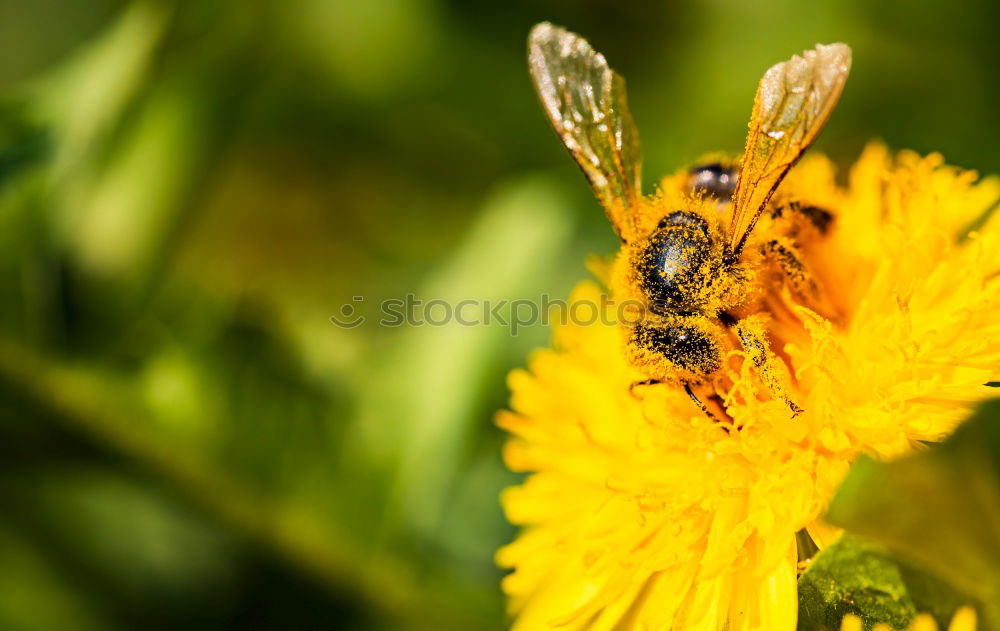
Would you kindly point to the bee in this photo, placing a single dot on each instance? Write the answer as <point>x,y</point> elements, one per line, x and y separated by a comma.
<point>696,276</point>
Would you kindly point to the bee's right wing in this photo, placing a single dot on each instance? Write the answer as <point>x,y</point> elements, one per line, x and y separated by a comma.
<point>585,101</point>
<point>794,100</point>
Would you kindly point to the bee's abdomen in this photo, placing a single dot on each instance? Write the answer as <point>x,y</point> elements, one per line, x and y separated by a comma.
<point>671,267</point>
<point>686,347</point>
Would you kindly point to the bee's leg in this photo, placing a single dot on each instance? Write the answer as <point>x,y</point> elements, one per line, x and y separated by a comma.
<point>785,255</point>
<point>722,406</point>
<point>751,333</point>
<point>687,388</point>
<point>697,401</point>
<point>818,217</point>
<point>636,384</point>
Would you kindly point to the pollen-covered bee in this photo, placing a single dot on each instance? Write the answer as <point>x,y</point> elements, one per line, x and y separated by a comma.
<point>696,277</point>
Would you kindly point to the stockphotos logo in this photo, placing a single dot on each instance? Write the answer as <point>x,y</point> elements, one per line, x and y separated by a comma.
<point>514,315</point>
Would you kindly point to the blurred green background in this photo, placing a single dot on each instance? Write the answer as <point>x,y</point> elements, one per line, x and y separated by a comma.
<point>190,189</point>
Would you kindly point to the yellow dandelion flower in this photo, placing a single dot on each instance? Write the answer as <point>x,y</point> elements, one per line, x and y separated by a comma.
<point>639,512</point>
<point>963,620</point>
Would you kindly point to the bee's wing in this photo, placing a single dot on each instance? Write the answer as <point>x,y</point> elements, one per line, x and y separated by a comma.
<point>585,101</point>
<point>793,102</point>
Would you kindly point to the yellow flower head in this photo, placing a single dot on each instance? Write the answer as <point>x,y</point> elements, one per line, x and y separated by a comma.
<point>640,512</point>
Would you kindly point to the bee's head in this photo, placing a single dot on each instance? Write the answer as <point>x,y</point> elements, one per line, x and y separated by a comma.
<point>715,180</point>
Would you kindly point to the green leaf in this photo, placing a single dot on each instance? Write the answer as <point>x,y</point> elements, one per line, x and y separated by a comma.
<point>939,510</point>
<point>853,577</point>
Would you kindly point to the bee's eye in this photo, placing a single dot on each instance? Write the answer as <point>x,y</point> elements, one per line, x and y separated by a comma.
<point>715,179</point>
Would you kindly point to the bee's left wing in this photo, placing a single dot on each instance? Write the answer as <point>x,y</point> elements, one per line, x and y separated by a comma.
<point>585,102</point>
<point>793,102</point>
